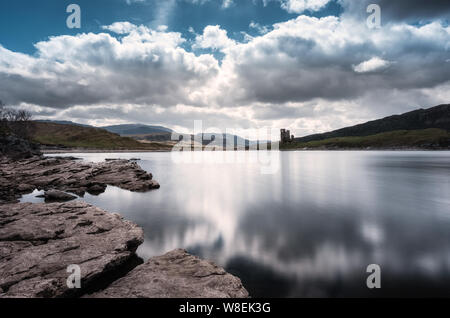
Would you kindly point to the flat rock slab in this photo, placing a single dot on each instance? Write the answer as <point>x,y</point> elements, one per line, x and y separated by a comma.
<point>18,177</point>
<point>176,274</point>
<point>39,241</point>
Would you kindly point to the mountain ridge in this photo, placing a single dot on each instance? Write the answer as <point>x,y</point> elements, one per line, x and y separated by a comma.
<point>419,119</point>
<point>136,129</point>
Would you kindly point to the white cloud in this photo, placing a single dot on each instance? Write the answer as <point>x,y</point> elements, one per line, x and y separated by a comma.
<point>143,67</point>
<point>134,1</point>
<point>307,58</point>
<point>299,6</point>
<point>213,37</point>
<point>372,65</point>
<point>262,29</point>
<point>227,3</point>
<point>120,27</point>
<point>307,73</point>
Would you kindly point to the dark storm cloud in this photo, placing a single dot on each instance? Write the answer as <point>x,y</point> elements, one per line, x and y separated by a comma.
<point>416,9</point>
<point>16,89</point>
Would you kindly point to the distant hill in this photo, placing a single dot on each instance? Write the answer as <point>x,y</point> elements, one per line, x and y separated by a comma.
<point>77,136</point>
<point>160,136</point>
<point>62,122</point>
<point>422,128</point>
<point>137,129</point>
<point>142,135</point>
<point>435,117</point>
<point>163,136</point>
<point>431,138</point>
<point>229,139</point>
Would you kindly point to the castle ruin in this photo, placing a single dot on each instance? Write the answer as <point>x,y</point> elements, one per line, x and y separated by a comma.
<point>286,136</point>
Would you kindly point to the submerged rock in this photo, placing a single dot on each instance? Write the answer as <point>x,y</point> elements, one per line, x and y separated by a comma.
<point>58,196</point>
<point>39,241</point>
<point>176,274</point>
<point>96,189</point>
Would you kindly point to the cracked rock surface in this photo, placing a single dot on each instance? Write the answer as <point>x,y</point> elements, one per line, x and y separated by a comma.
<point>18,177</point>
<point>39,241</point>
<point>176,274</point>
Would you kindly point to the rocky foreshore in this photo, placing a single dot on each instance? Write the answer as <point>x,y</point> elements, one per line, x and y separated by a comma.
<point>18,177</point>
<point>39,241</point>
<point>176,274</point>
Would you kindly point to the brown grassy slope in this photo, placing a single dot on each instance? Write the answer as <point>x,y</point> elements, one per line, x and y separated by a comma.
<point>74,136</point>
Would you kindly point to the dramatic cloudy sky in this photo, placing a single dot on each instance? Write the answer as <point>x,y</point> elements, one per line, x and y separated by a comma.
<point>310,65</point>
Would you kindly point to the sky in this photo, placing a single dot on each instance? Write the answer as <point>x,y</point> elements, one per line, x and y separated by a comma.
<point>307,65</point>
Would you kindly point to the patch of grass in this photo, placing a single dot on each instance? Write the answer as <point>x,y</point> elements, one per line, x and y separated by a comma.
<point>431,138</point>
<point>73,136</point>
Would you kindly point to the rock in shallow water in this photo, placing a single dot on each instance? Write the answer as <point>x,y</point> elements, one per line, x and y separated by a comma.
<point>58,196</point>
<point>176,274</point>
<point>19,177</point>
<point>39,241</point>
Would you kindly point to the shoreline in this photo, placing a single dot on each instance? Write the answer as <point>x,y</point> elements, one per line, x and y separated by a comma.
<point>59,151</point>
<point>81,151</point>
<point>38,241</point>
<point>368,150</point>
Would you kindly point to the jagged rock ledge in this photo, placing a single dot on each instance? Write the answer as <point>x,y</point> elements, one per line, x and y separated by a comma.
<point>18,177</point>
<point>176,274</point>
<point>39,241</point>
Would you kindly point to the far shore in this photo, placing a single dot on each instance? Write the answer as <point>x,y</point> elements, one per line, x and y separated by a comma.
<point>63,151</point>
<point>59,151</point>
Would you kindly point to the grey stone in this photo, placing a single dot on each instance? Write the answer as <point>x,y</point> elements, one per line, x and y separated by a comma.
<point>176,274</point>
<point>96,189</point>
<point>25,187</point>
<point>58,196</point>
<point>39,241</point>
<point>68,175</point>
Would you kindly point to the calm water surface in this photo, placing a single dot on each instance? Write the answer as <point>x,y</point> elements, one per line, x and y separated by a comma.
<point>309,229</point>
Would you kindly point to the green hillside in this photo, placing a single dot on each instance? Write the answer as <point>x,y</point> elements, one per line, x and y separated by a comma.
<point>420,119</point>
<point>432,138</point>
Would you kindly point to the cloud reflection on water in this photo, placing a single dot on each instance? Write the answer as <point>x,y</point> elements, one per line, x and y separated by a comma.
<point>309,230</point>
